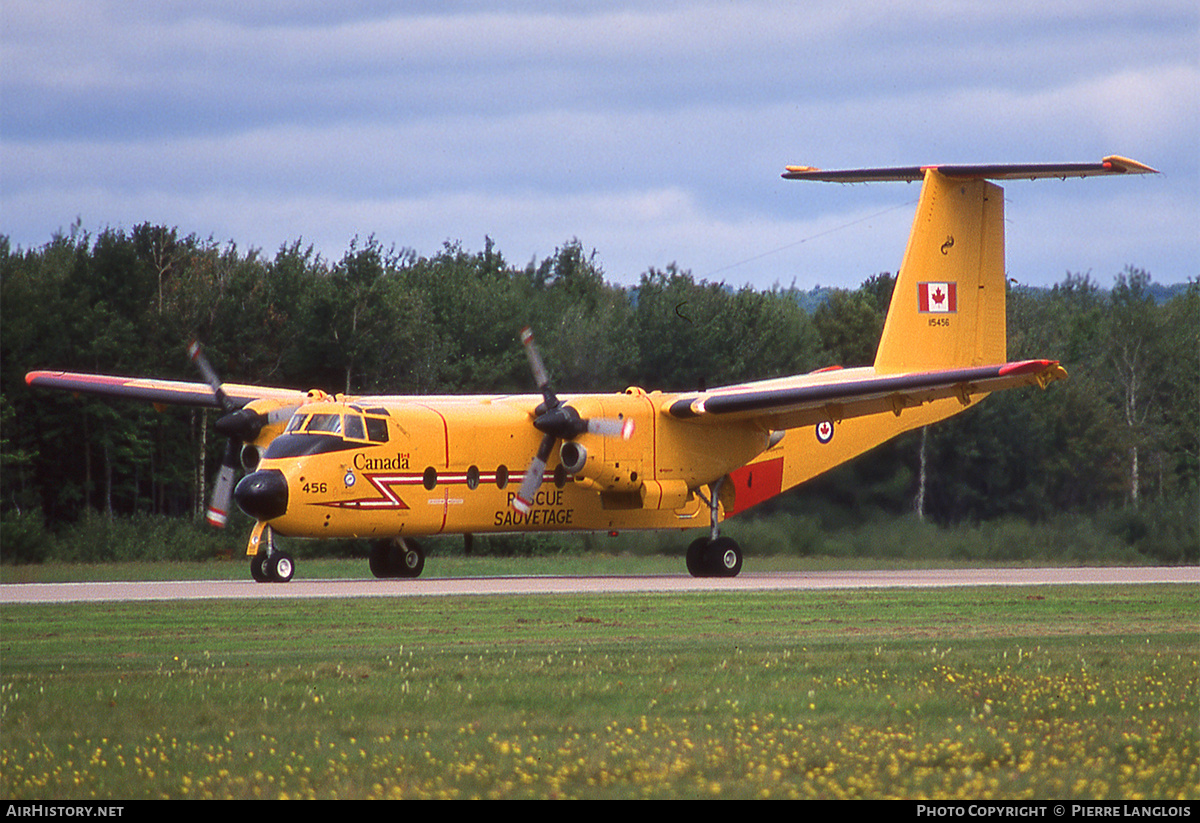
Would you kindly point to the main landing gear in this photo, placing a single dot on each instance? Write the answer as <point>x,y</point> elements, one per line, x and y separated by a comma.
<point>269,564</point>
<point>399,557</point>
<point>714,556</point>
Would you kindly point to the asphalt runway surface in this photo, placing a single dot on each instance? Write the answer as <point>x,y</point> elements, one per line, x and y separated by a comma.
<point>533,584</point>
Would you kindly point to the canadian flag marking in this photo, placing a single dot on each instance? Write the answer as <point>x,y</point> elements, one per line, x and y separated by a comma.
<point>937,297</point>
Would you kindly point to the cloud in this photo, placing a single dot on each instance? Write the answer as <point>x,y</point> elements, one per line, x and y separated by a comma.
<point>652,132</point>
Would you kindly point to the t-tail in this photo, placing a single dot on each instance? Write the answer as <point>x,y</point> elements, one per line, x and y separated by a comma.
<point>948,306</point>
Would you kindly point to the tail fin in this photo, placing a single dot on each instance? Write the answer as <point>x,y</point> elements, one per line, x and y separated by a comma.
<point>948,306</point>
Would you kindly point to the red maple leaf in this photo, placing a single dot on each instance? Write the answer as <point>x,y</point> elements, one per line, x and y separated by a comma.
<point>937,296</point>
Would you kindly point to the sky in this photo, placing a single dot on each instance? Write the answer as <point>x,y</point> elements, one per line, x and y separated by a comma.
<point>650,132</point>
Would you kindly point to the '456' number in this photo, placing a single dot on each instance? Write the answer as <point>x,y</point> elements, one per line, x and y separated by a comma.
<point>314,488</point>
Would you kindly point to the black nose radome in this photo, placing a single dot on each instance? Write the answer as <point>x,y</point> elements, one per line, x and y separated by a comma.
<point>263,495</point>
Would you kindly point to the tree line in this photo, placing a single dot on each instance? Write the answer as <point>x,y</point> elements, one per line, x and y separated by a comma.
<point>1121,434</point>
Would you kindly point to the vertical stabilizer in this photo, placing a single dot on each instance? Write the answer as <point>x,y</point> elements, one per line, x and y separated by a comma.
<point>948,307</point>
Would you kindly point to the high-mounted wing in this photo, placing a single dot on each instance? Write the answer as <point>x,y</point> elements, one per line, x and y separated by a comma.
<point>241,422</point>
<point>167,392</point>
<point>835,396</point>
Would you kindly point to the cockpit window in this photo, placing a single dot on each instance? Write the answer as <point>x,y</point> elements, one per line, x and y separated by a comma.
<point>354,427</point>
<point>377,431</point>
<point>325,423</point>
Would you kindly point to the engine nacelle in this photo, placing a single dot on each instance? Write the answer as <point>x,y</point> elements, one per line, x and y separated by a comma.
<point>591,470</point>
<point>573,456</point>
<point>269,417</point>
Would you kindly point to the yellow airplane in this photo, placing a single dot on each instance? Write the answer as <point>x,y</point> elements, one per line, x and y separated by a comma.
<point>395,468</point>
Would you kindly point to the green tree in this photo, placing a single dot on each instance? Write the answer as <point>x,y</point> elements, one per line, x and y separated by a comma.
<point>1181,406</point>
<point>849,325</point>
<point>1136,360</point>
<point>583,325</point>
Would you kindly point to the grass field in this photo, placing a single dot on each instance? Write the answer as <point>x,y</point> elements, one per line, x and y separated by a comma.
<point>1046,692</point>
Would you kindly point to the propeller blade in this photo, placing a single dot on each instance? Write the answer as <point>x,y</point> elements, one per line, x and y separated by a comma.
<point>540,375</point>
<point>218,508</point>
<point>607,427</point>
<point>523,502</point>
<point>210,376</point>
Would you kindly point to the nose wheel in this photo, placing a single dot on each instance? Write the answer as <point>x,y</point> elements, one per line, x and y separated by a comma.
<point>276,568</point>
<point>269,564</point>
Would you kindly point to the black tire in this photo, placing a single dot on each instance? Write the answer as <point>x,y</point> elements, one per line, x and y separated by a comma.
<point>280,567</point>
<point>723,557</point>
<point>696,558</point>
<point>258,569</point>
<point>380,559</point>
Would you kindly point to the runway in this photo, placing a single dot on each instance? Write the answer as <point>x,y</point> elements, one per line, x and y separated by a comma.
<point>15,593</point>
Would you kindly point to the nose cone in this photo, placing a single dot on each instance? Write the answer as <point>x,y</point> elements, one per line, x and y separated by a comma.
<point>263,494</point>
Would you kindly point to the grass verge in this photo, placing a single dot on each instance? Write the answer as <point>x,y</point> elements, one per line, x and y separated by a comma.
<point>1086,692</point>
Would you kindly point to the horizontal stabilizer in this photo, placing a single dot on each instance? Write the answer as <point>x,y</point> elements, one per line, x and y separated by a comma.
<point>1001,171</point>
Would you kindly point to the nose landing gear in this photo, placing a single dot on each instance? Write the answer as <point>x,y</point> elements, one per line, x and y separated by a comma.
<point>269,564</point>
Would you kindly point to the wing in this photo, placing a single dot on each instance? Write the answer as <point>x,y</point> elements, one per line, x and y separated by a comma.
<point>166,392</point>
<point>835,396</point>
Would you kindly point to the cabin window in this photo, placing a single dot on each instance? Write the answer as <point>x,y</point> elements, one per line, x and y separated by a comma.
<point>501,476</point>
<point>473,477</point>
<point>296,423</point>
<point>430,478</point>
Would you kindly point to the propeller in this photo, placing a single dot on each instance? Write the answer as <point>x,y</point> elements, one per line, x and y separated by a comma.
<point>239,425</point>
<point>557,421</point>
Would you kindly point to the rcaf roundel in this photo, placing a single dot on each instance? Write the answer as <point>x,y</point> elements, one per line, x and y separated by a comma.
<point>937,297</point>
<point>824,431</point>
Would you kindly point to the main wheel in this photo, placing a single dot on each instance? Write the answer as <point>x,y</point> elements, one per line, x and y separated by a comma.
<point>280,567</point>
<point>696,565</point>
<point>396,558</point>
<point>408,559</point>
<point>723,557</point>
<point>379,559</point>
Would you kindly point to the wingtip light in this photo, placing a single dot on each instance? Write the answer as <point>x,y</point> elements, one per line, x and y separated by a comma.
<point>1127,166</point>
